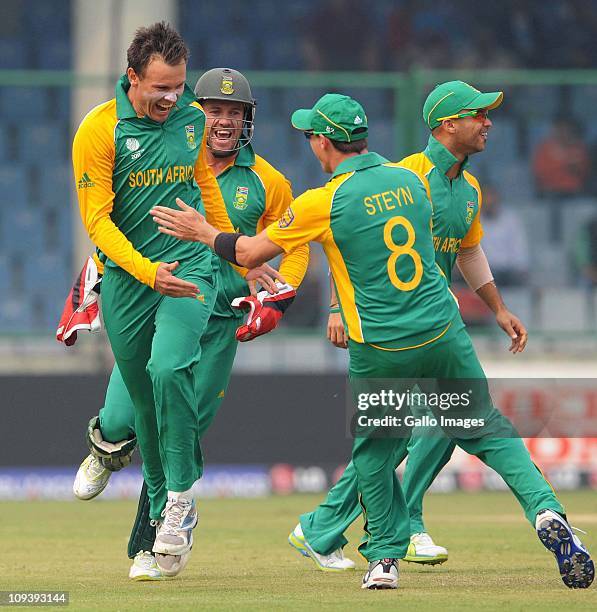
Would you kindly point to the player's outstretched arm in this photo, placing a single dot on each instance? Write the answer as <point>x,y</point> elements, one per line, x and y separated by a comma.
<point>189,224</point>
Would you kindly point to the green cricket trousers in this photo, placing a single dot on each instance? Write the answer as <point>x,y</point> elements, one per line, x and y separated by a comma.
<point>156,343</point>
<point>371,478</point>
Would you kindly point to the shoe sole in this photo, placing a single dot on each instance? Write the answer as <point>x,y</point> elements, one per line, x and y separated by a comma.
<point>146,578</point>
<point>169,573</point>
<point>576,567</point>
<point>437,560</point>
<point>381,584</point>
<point>175,549</point>
<point>304,549</point>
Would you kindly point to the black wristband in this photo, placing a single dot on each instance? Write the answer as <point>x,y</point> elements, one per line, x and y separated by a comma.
<point>225,246</point>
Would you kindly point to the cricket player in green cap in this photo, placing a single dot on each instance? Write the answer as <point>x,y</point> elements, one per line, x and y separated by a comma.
<point>457,115</point>
<point>373,219</point>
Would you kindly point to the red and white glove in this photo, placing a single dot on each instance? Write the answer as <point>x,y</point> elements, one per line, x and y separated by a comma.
<point>265,311</point>
<point>81,310</point>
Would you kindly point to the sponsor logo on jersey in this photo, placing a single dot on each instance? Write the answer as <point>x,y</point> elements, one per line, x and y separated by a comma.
<point>240,198</point>
<point>286,219</point>
<point>470,212</point>
<point>227,86</point>
<point>132,144</point>
<point>85,181</point>
<point>190,133</point>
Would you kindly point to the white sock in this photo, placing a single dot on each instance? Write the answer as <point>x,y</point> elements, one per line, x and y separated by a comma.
<point>188,495</point>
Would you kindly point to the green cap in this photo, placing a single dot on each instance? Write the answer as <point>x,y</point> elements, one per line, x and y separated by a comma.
<point>450,98</point>
<point>336,116</point>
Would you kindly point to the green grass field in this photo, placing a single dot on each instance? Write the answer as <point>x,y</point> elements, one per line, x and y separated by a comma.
<point>241,559</point>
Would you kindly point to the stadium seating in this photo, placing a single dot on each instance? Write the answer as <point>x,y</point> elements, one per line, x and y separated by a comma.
<point>58,185</point>
<point>4,144</point>
<point>228,51</point>
<point>13,54</point>
<point>59,105</point>
<point>15,315</point>
<point>281,52</point>
<point>13,187</point>
<point>24,232</point>
<point>28,104</point>
<point>6,275</point>
<point>35,130</point>
<point>45,19</point>
<point>564,311</point>
<point>44,142</point>
<point>55,55</point>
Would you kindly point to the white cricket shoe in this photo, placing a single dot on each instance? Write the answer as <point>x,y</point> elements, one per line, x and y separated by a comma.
<point>334,562</point>
<point>174,535</point>
<point>144,567</point>
<point>577,569</point>
<point>382,574</point>
<point>172,565</point>
<point>422,549</point>
<point>91,479</point>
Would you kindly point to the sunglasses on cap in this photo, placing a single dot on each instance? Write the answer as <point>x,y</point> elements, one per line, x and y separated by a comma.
<point>478,113</point>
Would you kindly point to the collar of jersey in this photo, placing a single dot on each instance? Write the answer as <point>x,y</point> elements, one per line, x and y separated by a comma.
<point>359,162</point>
<point>244,157</point>
<point>441,157</point>
<point>124,108</point>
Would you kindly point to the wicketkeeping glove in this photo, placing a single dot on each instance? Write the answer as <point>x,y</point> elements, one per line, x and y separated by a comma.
<point>265,311</point>
<point>81,310</point>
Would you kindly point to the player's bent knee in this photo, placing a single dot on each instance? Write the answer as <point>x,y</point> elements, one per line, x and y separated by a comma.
<point>120,426</point>
<point>113,456</point>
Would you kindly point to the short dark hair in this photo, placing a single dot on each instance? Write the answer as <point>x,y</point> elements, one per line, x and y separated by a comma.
<point>158,39</point>
<point>356,146</point>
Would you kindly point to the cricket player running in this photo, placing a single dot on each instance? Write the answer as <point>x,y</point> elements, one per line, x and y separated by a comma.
<point>457,115</point>
<point>403,322</point>
<point>256,194</point>
<point>147,145</point>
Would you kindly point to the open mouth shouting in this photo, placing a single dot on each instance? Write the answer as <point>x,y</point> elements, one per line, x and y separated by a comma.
<point>162,109</point>
<point>223,138</point>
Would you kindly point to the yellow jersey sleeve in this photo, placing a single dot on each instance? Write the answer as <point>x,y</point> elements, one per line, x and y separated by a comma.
<point>475,232</point>
<point>93,165</point>
<point>306,220</point>
<point>278,198</point>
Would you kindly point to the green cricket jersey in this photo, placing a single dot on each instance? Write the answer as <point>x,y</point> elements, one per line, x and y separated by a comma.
<point>124,165</point>
<point>456,203</point>
<point>373,219</point>
<point>255,194</point>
